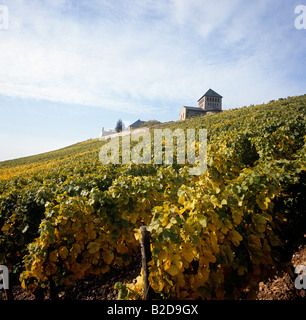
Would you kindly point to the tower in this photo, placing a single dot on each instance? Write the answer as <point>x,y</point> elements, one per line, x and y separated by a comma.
<point>210,101</point>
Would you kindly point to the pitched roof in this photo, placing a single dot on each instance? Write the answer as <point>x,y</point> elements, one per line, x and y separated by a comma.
<point>137,123</point>
<point>193,108</point>
<point>211,93</point>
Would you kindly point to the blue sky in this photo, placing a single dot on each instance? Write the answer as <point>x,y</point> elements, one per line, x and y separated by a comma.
<point>69,68</point>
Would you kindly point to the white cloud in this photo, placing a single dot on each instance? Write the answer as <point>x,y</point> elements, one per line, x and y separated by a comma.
<point>111,54</point>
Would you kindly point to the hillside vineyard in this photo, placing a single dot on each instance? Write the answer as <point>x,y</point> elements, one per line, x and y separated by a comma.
<point>65,215</point>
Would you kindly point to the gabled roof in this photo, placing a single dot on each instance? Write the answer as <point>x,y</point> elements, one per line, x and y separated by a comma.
<point>137,123</point>
<point>211,93</point>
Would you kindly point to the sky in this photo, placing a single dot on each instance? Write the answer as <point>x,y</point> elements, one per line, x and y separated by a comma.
<point>69,68</point>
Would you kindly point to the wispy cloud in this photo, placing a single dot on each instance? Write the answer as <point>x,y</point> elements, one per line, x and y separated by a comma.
<point>114,54</point>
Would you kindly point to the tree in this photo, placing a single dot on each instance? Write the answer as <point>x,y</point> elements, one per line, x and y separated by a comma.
<point>119,126</point>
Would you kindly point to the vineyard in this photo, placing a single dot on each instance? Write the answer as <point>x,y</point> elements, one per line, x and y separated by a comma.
<point>64,215</point>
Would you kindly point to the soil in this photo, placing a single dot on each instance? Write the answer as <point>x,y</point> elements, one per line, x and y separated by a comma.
<point>283,288</point>
<point>102,288</point>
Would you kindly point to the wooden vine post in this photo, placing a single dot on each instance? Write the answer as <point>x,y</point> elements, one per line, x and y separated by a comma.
<point>146,257</point>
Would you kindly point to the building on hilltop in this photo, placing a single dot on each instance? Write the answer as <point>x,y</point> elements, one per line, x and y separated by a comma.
<point>109,132</point>
<point>188,112</point>
<point>136,124</point>
<point>209,103</point>
<point>113,133</point>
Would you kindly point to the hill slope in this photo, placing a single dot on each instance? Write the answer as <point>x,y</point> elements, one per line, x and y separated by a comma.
<point>263,116</point>
<point>64,215</point>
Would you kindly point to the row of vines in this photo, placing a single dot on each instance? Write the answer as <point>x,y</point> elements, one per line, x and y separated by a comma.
<point>211,235</point>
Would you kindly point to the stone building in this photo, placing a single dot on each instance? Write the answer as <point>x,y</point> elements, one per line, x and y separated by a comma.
<point>106,133</point>
<point>210,102</point>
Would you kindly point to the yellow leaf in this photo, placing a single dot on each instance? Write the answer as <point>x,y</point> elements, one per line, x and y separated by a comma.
<point>93,247</point>
<point>108,257</point>
<point>173,264</point>
<point>161,286</point>
<point>51,269</point>
<point>119,261</point>
<point>167,265</point>
<point>224,202</point>
<point>162,255</point>
<point>121,248</point>
<point>181,280</point>
<point>23,285</point>
<point>237,216</point>
<point>188,251</point>
<point>76,226</point>
<point>188,256</point>
<point>202,276</point>
<point>78,270</point>
<point>214,201</point>
<point>236,237</point>
<point>76,248</point>
<point>214,242</point>
<point>63,252</point>
<point>263,203</point>
<point>181,199</point>
<point>179,264</point>
<point>173,270</point>
<point>208,257</point>
<point>92,234</point>
<point>137,234</point>
<point>254,241</point>
<point>53,256</point>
